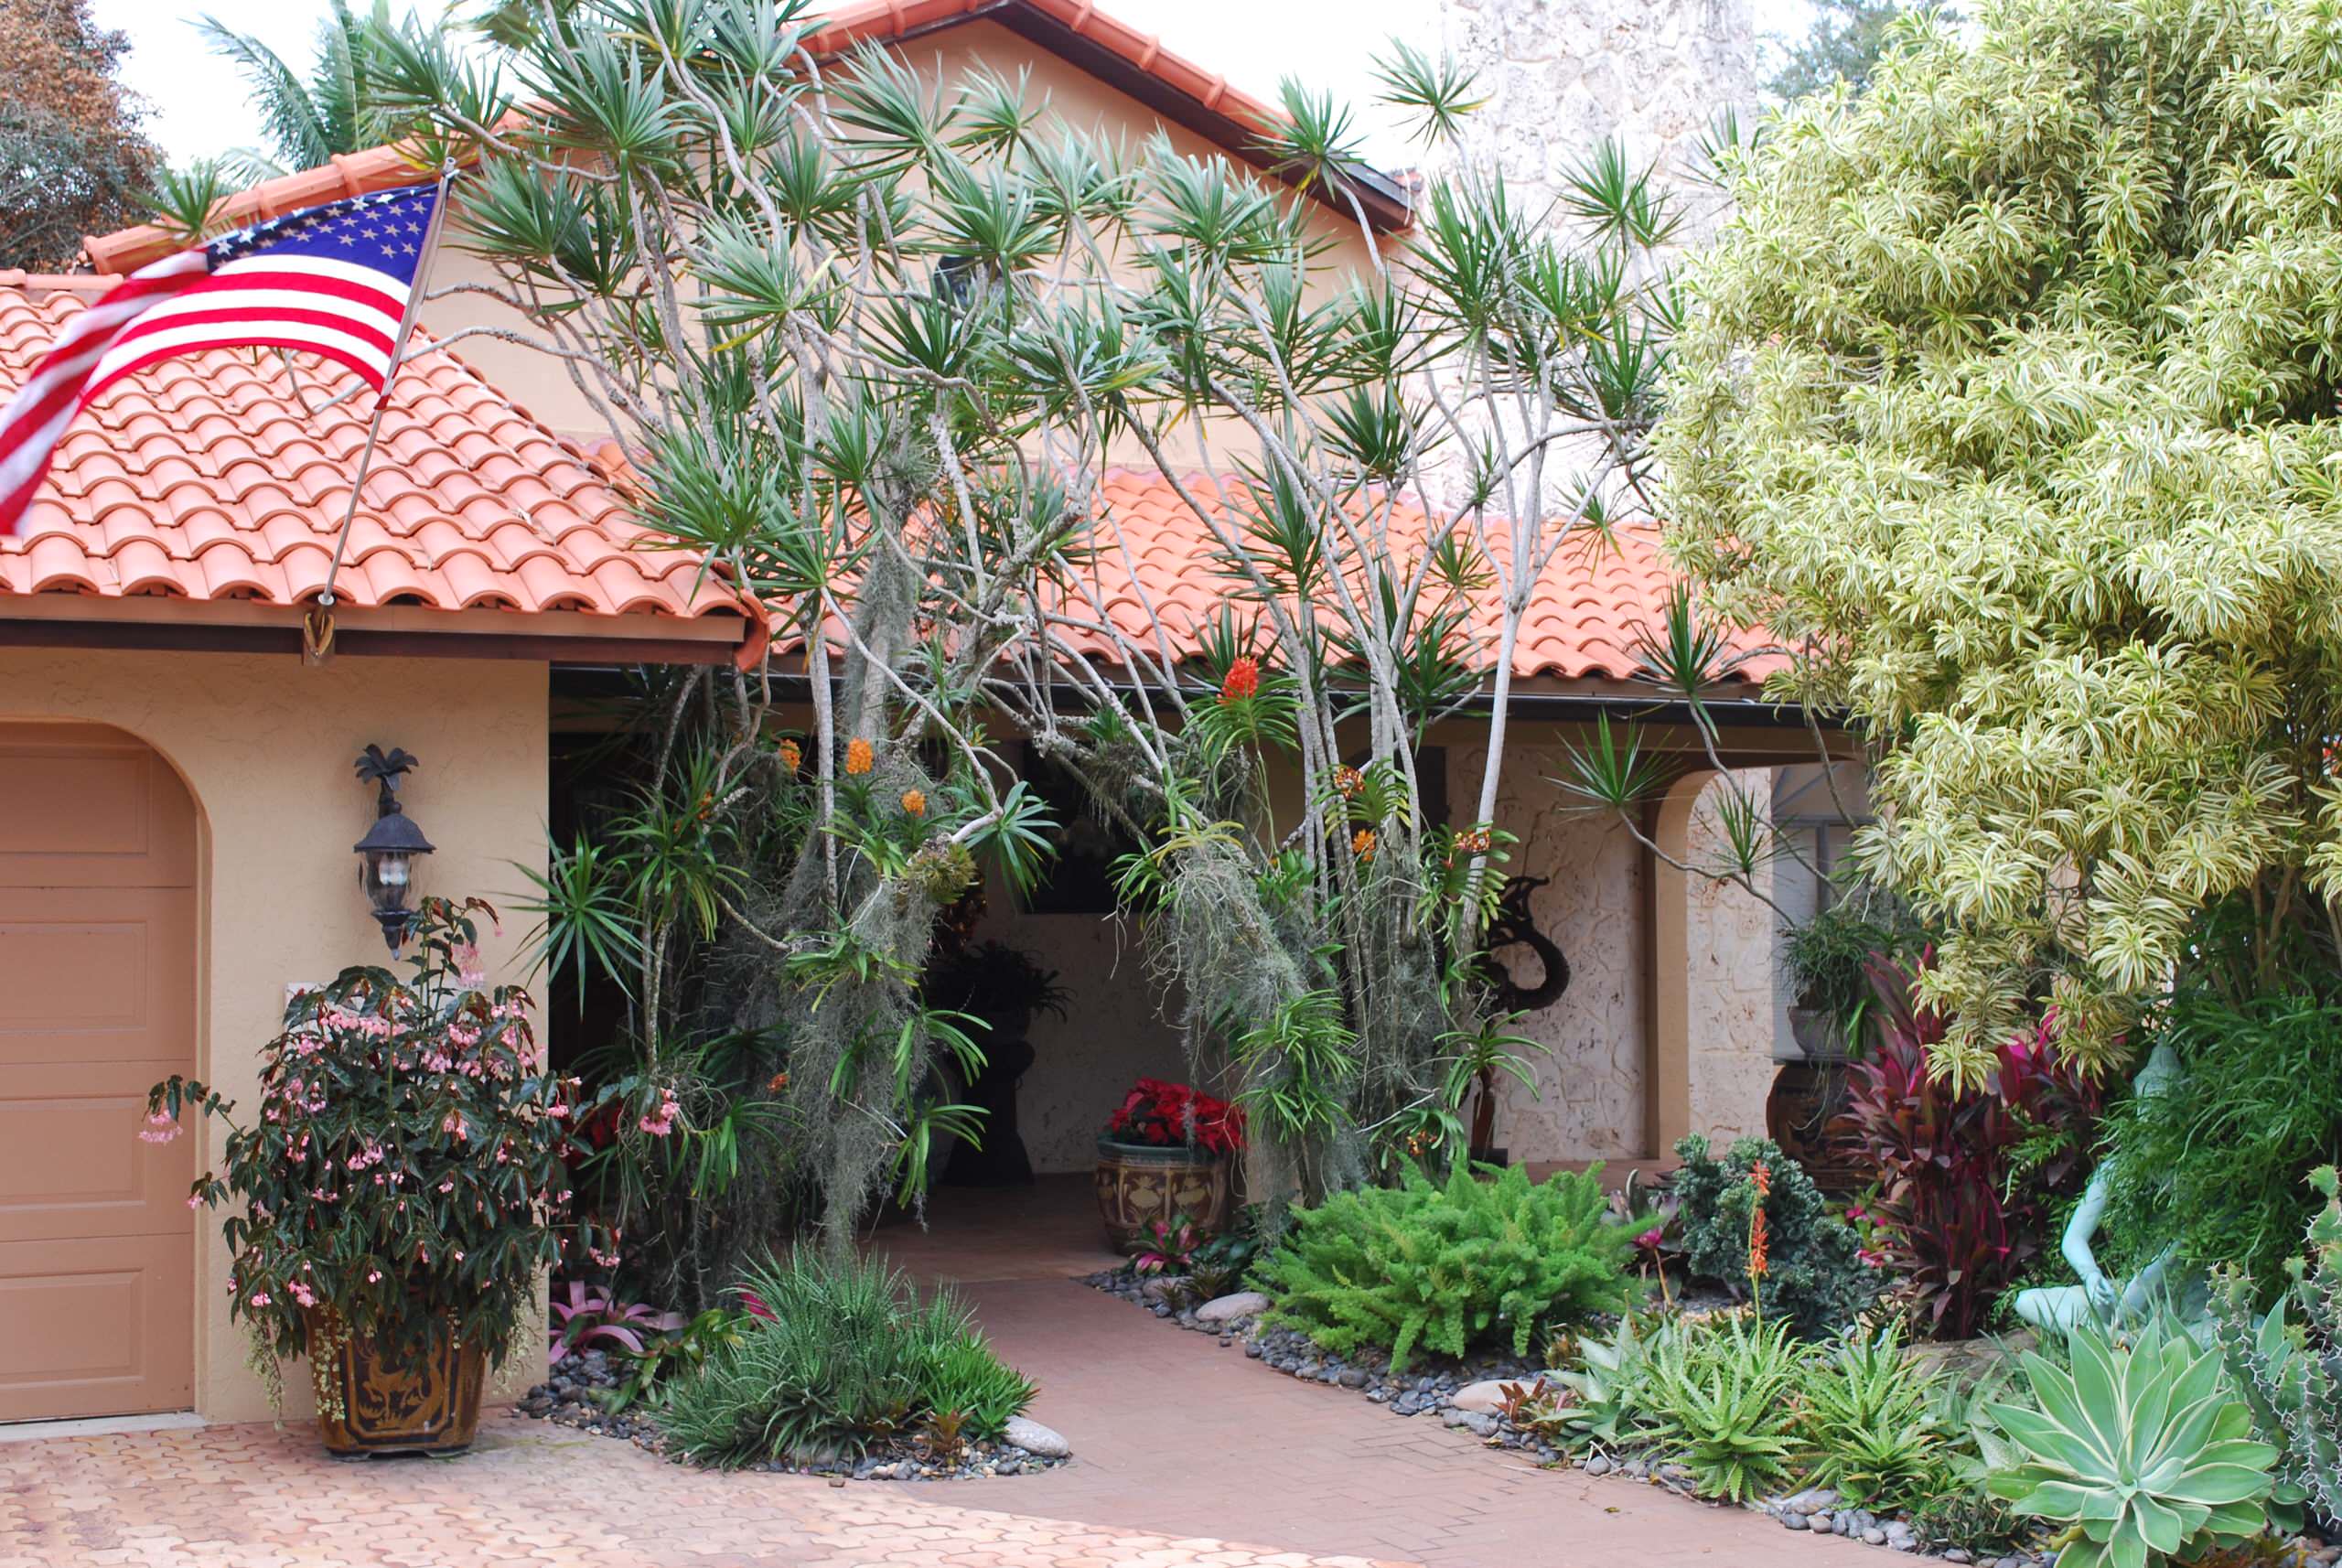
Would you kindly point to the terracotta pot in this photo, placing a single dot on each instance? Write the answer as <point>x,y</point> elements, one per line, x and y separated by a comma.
<point>1140,1183</point>
<point>433,1408</point>
<point>1807,1097</point>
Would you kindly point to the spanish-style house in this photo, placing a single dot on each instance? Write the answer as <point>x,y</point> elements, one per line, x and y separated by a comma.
<point>177,807</point>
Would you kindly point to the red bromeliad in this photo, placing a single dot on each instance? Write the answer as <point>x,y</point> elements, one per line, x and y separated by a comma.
<point>1243,680</point>
<point>1168,1116</point>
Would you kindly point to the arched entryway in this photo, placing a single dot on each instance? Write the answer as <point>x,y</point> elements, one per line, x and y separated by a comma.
<point>97,1001</point>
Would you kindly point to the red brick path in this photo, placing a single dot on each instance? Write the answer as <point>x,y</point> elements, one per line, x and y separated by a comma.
<point>1181,1446</point>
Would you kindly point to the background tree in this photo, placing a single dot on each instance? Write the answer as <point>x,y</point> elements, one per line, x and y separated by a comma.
<point>1841,43</point>
<point>73,159</point>
<point>308,116</point>
<point>2006,401</point>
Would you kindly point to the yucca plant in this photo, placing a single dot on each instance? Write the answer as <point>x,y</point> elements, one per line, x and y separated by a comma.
<point>2140,1451</point>
<point>873,339</point>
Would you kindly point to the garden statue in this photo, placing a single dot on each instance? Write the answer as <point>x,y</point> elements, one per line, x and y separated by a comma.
<point>2061,1307</point>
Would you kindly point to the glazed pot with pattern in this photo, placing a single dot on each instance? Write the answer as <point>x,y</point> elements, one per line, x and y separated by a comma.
<point>1139,1184</point>
<point>368,1404</point>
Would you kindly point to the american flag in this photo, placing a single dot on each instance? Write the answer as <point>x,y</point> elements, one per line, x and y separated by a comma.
<point>333,281</point>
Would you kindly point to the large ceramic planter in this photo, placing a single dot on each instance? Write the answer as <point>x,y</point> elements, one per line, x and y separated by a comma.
<point>433,1408</point>
<point>1140,1183</point>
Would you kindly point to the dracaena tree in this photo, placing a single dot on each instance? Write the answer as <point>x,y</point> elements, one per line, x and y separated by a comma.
<point>874,340</point>
<point>2007,401</point>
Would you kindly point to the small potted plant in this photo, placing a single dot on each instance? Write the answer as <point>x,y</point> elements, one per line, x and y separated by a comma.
<point>398,1190</point>
<point>1166,1153</point>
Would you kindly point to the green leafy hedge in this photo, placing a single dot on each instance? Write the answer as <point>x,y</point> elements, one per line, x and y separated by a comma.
<point>1473,1262</point>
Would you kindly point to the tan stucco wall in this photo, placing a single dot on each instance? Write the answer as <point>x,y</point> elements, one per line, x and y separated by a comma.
<point>1733,1000</point>
<point>265,746</point>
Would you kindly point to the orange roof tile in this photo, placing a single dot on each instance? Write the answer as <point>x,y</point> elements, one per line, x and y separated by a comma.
<point>1583,623</point>
<point>208,477</point>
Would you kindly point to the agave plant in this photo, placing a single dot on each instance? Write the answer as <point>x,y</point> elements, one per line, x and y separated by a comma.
<point>1602,1397</point>
<point>2141,1451</point>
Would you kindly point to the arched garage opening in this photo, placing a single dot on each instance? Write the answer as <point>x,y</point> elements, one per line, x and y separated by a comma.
<point>97,920</point>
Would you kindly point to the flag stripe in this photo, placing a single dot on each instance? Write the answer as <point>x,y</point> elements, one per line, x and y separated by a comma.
<point>333,281</point>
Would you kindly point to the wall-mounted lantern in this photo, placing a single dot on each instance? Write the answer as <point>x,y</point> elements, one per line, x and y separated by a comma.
<point>386,854</point>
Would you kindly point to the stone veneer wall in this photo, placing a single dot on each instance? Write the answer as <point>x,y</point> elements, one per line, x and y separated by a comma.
<point>1565,74</point>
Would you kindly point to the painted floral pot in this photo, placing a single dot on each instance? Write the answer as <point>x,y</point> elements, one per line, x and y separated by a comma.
<point>1140,1183</point>
<point>431,1408</point>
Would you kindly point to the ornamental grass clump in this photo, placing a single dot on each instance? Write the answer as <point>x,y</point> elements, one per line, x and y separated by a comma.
<point>1499,1260</point>
<point>840,1357</point>
<point>403,1180</point>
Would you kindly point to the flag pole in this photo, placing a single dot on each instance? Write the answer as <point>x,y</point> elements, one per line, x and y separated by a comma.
<point>317,626</point>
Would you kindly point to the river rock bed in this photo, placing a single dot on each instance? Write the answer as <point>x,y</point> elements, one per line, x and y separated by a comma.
<point>569,1397</point>
<point>1468,1394</point>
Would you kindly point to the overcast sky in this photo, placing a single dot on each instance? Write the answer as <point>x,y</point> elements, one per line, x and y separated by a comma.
<point>200,108</point>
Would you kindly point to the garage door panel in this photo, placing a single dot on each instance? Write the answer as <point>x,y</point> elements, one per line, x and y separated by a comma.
<point>96,974</point>
<point>80,809</point>
<point>96,1003</point>
<point>96,1327</point>
<point>72,1163</point>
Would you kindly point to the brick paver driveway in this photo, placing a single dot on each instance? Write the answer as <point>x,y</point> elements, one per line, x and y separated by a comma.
<point>1181,1448</point>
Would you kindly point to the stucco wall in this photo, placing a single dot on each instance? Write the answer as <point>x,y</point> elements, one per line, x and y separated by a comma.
<point>265,746</point>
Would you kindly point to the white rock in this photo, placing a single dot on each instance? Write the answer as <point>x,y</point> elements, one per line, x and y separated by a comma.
<point>1035,1439</point>
<point>1487,1396</point>
<point>1228,1308</point>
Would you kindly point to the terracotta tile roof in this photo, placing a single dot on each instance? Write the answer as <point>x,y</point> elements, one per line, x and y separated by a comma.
<point>206,478</point>
<point>1581,625</point>
<point>1076,30</point>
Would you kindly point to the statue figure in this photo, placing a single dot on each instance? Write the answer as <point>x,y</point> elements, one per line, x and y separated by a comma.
<point>2061,1307</point>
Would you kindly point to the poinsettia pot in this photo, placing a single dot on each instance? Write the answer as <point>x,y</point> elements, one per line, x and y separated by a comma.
<point>1139,1184</point>
<point>426,1401</point>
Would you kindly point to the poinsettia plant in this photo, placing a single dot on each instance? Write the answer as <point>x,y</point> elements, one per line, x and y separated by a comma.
<point>1174,1115</point>
<point>403,1178</point>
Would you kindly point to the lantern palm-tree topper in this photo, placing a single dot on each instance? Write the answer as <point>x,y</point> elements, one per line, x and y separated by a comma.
<point>386,854</point>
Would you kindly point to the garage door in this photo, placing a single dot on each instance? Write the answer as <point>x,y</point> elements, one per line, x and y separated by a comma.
<point>97,1001</point>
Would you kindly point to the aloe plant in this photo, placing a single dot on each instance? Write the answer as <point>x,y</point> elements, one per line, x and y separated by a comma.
<point>1603,1394</point>
<point>1719,1395</point>
<point>2294,1390</point>
<point>2142,1451</point>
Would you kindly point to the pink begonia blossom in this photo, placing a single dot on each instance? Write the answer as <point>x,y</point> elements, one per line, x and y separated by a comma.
<point>195,1200</point>
<point>373,1276</point>
<point>468,973</point>
<point>260,1298</point>
<point>303,1294</point>
<point>662,1122</point>
<point>161,1128</point>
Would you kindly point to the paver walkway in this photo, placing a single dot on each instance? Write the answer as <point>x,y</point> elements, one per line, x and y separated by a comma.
<point>1181,1448</point>
<point>1173,1433</point>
